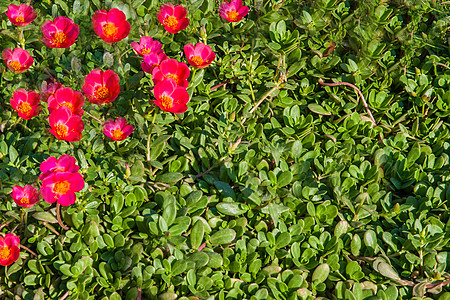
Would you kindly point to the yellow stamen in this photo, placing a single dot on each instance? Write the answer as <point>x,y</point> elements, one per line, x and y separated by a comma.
<point>5,252</point>
<point>101,93</point>
<point>59,38</point>
<point>61,187</point>
<point>175,77</point>
<point>69,105</point>
<point>15,65</point>
<point>24,200</point>
<point>110,30</point>
<point>117,134</point>
<point>171,22</point>
<point>61,130</point>
<point>20,19</point>
<point>233,16</point>
<point>24,108</point>
<point>197,60</point>
<point>145,51</point>
<point>166,102</point>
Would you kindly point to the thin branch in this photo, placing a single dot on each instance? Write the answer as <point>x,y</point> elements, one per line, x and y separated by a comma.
<point>94,117</point>
<point>29,250</point>
<point>58,217</point>
<point>442,65</point>
<point>65,295</point>
<point>359,92</point>
<point>51,228</point>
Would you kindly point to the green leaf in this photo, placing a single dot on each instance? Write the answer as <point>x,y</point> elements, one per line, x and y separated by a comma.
<point>231,208</point>
<point>45,216</point>
<point>316,108</point>
<point>196,235</point>
<point>169,177</point>
<point>223,236</point>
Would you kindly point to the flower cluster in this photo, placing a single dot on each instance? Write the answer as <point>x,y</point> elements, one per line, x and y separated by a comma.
<point>60,180</point>
<point>60,176</point>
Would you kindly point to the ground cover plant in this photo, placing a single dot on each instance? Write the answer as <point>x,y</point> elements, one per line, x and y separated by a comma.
<point>224,150</point>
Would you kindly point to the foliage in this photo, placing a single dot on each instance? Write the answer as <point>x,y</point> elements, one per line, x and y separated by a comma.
<point>296,196</point>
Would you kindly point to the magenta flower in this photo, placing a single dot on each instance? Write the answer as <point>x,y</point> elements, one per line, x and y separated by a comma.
<point>199,56</point>
<point>65,163</point>
<point>60,33</point>
<point>111,26</point>
<point>18,60</point>
<point>171,68</point>
<point>61,187</point>
<point>21,15</point>
<point>233,11</point>
<point>101,87</point>
<point>171,97</point>
<point>26,196</point>
<point>26,103</point>
<point>9,249</point>
<point>65,96</point>
<point>173,17</point>
<point>147,45</point>
<point>152,61</point>
<point>118,130</point>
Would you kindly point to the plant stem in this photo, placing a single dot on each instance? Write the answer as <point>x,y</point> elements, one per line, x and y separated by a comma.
<point>155,112</point>
<point>93,117</point>
<point>359,92</point>
<point>58,217</point>
<point>29,250</point>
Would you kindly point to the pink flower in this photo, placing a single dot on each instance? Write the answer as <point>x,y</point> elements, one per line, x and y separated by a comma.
<point>61,33</point>
<point>111,26</point>
<point>199,56</point>
<point>152,61</point>
<point>101,87</point>
<point>18,60</point>
<point>65,96</point>
<point>118,130</point>
<point>233,11</point>
<point>26,196</point>
<point>26,103</point>
<point>171,97</point>
<point>21,15</point>
<point>173,17</point>
<point>49,88</point>
<point>147,45</point>
<point>61,187</point>
<point>171,68</point>
<point>65,163</point>
<point>9,250</point>
<point>65,125</point>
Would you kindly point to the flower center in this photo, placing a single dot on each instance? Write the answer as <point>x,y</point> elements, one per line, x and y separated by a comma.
<point>69,105</point>
<point>117,134</point>
<point>24,108</point>
<point>233,16</point>
<point>25,200</point>
<point>61,130</point>
<point>175,77</point>
<point>197,60</point>
<point>20,19</point>
<point>171,22</point>
<point>166,102</point>
<point>145,51</point>
<point>61,187</point>
<point>101,93</point>
<point>15,65</point>
<point>5,252</point>
<point>59,38</point>
<point>110,30</point>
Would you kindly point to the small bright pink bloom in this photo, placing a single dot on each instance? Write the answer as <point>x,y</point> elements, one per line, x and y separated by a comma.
<point>171,68</point>
<point>101,87</point>
<point>233,11</point>
<point>147,45</point>
<point>65,125</point>
<point>65,163</point>
<point>65,96</point>
<point>170,97</point>
<point>152,61</point>
<point>48,88</point>
<point>61,187</point>
<point>111,26</point>
<point>173,17</point>
<point>61,33</point>
<point>199,56</point>
<point>26,196</point>
<point>18,60</point>
<point>26,103</point>
<point>118,130</point>
<point>21,15</point>
<point>9,250</point>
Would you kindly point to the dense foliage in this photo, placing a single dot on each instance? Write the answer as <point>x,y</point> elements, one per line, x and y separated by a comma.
<point>272,185</point>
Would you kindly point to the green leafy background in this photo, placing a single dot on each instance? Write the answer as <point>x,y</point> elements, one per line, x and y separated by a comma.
<point>299,198</point>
